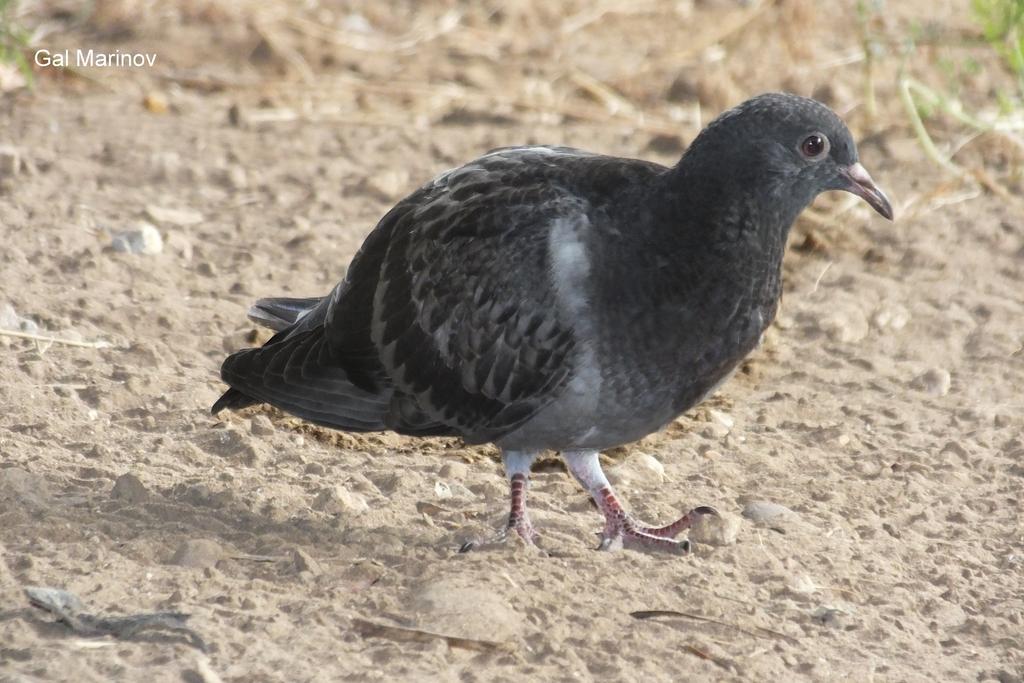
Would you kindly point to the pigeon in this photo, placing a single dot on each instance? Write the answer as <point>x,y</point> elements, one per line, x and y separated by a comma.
<point>545,298</point>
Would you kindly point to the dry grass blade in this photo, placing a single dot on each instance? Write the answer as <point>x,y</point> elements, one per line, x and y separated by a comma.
<point>369,43</point>
<point>99,344</point>
<point>697,652</point>
<point>259,558</point>
<point>758,632</point>
<point>285,51</point>
<point>154,626</point>
<point>373,629</point>
<point>454,95</point>
<point>592,15</point>
<point>990,184</point>
<point>603,93</point>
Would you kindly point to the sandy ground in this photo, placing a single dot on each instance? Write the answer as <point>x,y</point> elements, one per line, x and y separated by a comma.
<point>883,410</point>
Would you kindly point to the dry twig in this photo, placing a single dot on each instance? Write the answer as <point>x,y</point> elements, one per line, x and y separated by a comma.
<point>98,344</point>
<point>758,632</point>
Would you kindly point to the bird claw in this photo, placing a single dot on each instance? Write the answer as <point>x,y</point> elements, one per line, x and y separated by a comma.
<point>637,541</point>
<point>522,526</point>
<point>625,531</point>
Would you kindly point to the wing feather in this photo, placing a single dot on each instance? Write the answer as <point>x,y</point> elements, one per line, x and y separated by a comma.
<point>465,317</point>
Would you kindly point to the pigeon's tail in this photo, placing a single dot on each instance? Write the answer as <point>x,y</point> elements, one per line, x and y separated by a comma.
<point>296,372</point>
<point>279,313</point>
<point>232,399</point>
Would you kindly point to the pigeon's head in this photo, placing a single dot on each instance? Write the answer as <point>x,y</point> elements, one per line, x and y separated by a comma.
<point>791,148</point>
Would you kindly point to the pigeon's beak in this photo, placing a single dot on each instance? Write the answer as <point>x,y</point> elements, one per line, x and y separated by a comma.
<point>858,181</point>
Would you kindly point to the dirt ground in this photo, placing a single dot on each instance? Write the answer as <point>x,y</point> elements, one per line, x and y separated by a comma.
<point>883,410</point>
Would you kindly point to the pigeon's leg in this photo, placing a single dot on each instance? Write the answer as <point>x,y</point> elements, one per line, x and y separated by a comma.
<point>517,469</point>
<point>620,527</point>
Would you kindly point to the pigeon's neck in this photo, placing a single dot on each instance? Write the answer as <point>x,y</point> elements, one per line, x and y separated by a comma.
<point>727,208</point>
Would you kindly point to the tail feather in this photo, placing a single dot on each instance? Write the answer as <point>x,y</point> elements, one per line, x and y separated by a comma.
<point>232,399</point>
<point>280,313</point>
<point>296,374</point>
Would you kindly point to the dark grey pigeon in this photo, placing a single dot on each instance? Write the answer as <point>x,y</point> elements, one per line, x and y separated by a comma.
<point>546,298</point>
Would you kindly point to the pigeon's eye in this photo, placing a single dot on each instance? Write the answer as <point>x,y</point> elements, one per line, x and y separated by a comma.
<point>814,146</point>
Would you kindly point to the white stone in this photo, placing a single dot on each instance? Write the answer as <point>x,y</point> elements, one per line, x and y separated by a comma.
<point>442,490</point>
<point>846,324</point>
<point>724,419</point>
<point>9,319</point>
<point>143,239</point>
<point>801,584</point>
<point>714,530</point>
<point>890,316</point>
<point>765,511</point>
<point>350,501</point>
<point>454,470</point>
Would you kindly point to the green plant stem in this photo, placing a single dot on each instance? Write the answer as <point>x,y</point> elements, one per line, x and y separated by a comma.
<point>921,131</point>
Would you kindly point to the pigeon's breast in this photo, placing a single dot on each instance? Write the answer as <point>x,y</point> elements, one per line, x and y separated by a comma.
<point>614,394</point>
<point>634,375</point>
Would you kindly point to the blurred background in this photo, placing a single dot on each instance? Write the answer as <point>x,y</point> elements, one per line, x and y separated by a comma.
<point>650,72</point>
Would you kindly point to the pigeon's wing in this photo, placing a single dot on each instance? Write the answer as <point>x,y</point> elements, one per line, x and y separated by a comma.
<point>466,318</point>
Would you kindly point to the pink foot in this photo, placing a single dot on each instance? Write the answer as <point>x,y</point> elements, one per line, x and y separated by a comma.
<point>518,519</point>
<point>622,530</point>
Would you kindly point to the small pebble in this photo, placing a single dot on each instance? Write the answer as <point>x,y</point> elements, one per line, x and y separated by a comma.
<point>198,553</point>
<point>260,425</point>
<point>9,319</point>
<point>144,239</point>
<point>934,381</point>
<point>304,562</point>
<point>339,500</point>
<point>206,269</point>
<point>890,317</point>
<point>454,470</point>
<point>801,584</point>
<point>718,531</point>
<point>235,115</point>
<point>155,102</point>
<point>724,419</point>
<point>180,246</point>
<point>845,324</point>
<point>765,511</point>
<point>715,430</point>
<point>1004,676</point>
<point>833,617</point>
<point>130,489</point>
<point>442,490</point>
<point>891,530</point>
<point>10,161</point>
